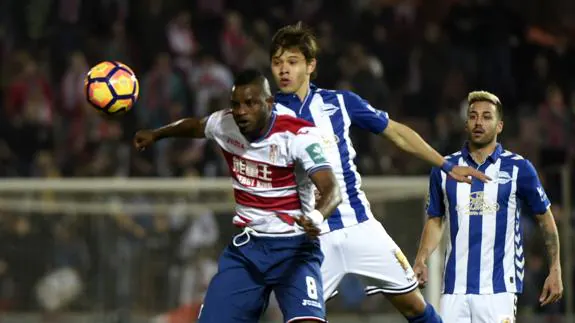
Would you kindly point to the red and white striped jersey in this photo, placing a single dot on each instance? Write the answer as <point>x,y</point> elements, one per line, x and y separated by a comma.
<point>270,175</point>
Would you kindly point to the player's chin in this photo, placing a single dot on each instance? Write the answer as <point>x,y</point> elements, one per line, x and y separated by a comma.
<point>480,140</point>
<point>286,89</point>
<point>244,128</point>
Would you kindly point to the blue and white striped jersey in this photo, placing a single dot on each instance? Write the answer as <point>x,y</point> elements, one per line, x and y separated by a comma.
<point>334,112</point>
<point>485,249</point>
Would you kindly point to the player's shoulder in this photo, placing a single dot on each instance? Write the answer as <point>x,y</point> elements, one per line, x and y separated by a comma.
<point>511,156</point>
<point>289,124</point>
<point>347,95</point>
<point>514,159</point>
<point>221,115</point>
<point>524,165</point>
<point>453,157</point>
<point>221,123</point>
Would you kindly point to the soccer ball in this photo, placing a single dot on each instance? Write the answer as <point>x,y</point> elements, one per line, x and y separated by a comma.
<point>111,87</point>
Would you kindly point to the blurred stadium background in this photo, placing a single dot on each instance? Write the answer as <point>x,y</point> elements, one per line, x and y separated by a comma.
<point>80,242</point>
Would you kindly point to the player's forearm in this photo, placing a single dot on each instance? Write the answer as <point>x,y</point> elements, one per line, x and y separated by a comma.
<point>551,237</point>
<point>410,141</point>
<point>430,238</point>
<point>188,127</point>
<point>329,200</point>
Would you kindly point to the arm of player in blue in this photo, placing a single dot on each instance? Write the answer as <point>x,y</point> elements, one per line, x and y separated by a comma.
<point>363,115</point>
<point>529,189</point>
<point>435,206</point>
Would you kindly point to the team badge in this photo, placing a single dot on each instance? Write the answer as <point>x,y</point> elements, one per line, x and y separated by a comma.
<point>273,153</point>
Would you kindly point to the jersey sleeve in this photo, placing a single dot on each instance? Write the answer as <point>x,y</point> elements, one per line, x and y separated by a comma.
<point>307,150</point>
<point>529,189</point>
<point>213,124</point>
<point>435,206</point>
<point>363,115</point>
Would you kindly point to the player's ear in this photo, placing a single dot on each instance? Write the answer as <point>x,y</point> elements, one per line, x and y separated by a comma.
<point>270,101</point>
<point>311,65</point>
<point>499,126</point>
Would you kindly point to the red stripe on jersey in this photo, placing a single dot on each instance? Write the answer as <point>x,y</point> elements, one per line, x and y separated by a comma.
<point>286,123</point>
<point>254,173</point>
<point>284,203</point>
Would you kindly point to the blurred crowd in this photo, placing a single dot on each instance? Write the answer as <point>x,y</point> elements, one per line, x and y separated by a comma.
<point>415,59</point>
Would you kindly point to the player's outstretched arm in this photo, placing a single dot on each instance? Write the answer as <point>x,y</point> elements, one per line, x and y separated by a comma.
<point>430,238</point>
<point>553,286</point>
<point>410,141</point>
<point>188,127</point>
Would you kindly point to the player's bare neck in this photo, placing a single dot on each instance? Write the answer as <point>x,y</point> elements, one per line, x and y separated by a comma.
<point>266,125</point>
<point>303,91</point>
<point>479,154</point>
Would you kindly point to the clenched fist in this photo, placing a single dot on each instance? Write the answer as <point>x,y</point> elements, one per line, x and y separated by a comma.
<point>143,139</point>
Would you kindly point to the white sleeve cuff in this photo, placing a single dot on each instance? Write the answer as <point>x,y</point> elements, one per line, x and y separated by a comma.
<point>316,217</point>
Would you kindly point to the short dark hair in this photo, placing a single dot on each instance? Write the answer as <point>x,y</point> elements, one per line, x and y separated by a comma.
<point>484,96</point>
<point>252,76</point>
<point>296,36</point>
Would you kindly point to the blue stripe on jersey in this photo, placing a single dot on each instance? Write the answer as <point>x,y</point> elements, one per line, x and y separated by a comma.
<point>451,191</point>
<point>503,195</point>
<point>342,145</point>
<point>518,239</point>
<point>475,234</point>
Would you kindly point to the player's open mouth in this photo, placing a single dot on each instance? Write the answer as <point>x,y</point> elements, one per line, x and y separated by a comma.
<point>243,123</point>
<point>478,132</point>
<point>284,82</point>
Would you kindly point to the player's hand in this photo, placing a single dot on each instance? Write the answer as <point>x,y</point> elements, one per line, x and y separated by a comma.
<point>143,139</point>
<point>307,225</point>
<point>420,270</point>
<point>552,289</point>
<point>463,173</point>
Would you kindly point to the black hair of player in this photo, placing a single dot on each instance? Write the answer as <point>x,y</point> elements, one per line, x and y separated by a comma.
<point>497,104</point>
<point>253,76</point>
<point>298,37</point>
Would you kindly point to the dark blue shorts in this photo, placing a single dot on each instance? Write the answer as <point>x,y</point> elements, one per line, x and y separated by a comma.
<point>289,266</point>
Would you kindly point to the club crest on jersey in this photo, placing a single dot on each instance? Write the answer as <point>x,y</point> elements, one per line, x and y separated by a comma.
<point>506,319</point>
<point>503,178</point>
<point>273,153</point>
<point>330,109</point>
<point>315,153</point>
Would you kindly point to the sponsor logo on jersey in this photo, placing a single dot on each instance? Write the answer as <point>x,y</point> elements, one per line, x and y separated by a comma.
<point>252,174</point>
<point>316,153</point>
<point>235,142</point>
<point>478,205</point>
<point>309,302</point>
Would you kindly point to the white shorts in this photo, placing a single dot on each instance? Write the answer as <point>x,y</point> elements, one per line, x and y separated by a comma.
<point>492,308</point>
<point>367,250</point>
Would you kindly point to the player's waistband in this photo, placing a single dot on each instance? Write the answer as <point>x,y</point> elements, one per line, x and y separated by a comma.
<point>244,237</point>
